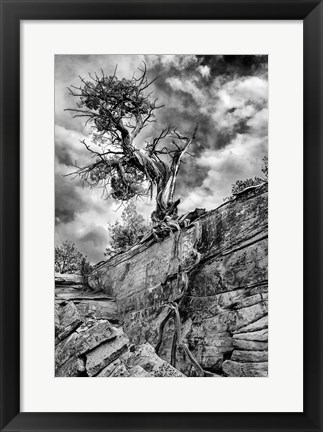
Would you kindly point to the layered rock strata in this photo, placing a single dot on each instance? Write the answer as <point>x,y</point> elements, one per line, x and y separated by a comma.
<point>224,312</point>
<point>87,345</point>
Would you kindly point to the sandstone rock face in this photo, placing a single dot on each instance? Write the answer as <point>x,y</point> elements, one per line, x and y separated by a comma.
<point>98,308</point>
<point>138,371</point>
<point>68,279</point>
<point>73,367</point>
<point>128,328</point>
<point>107,371</point>
<point>95,305</point>
<point>88,336</point>
<point>105,353</point>
<point>237,369</point>
<point>86,346</point>
<point>67,319</point>
<point>145,356</point>
<point>250,356</point>
<point>227,291</point>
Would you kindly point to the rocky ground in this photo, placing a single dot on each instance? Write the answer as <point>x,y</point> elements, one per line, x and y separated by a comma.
<point>90,342</point>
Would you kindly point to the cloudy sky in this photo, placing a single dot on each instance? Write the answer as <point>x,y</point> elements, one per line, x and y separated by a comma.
<point>226,95</point>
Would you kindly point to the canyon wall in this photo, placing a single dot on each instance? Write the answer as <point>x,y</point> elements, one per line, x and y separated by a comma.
<point>224,311</point>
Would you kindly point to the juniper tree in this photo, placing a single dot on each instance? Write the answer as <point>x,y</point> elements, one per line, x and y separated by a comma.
<point>118,110</point>
<point>127,233</point>
<point>240,185</point>
<point>67,258</point>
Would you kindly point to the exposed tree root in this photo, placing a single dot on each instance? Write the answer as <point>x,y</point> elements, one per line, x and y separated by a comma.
<point>174,309</point>
<point>160,330</point>
<point>181,344</point>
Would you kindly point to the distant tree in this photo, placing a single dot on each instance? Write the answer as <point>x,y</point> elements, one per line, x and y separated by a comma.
<point>67,258</point>
<point>241,185</point>
<point>128,232</point>
<point>118,110</point>
<point>85,270</point>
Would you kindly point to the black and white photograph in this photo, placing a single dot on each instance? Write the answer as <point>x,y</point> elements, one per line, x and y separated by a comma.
<point>161,215</point>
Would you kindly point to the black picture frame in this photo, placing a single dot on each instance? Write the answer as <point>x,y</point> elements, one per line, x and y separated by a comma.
<point>12,12</point>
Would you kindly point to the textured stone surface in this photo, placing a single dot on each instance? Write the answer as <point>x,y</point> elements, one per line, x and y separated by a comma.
<point>72,368</point>
<point>67,319</point>
<point>107,371</point>
<point>227,292</point>
<point>258,324</point>
<point>249,345</point>
<point>237,369</point>
<point>68,279</point>
<point>83,340</point>
<point>224,313</point>
<point>249,356</point>
<point>145,356</point>
<point>73,293</point>
<point>101,309</point>
<point>88,304</point>
<point>138,371</point>
<point>120,371</point>
<point>101,356</point>
<point>260,336</point>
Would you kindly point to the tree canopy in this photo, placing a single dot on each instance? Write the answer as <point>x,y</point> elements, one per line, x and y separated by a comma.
<point>67,258</point>
<point>118,110</point>
<point>128,232</point>
<point>240,185</point>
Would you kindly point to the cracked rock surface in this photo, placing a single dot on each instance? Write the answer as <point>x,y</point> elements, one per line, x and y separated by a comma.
<point>224,312</point>
<point>97,348</point>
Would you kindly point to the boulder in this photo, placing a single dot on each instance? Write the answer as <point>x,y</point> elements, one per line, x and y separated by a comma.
<point>57,327</point>
<point>67,319</point>
<point>68,279</point>
<point>72,368</point>
<point>120,371</point>
<point>107,371</point>
<point>100,309</point>
<point>146,357</point>
<point>98,358</point>
<point>139,372</point>
<point>85,338</point>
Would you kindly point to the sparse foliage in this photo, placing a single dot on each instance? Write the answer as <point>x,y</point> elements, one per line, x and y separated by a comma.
<point>241,185</point>
<point>68,259</point>
<point>128,232</point>
<point>264,168</point>
<point>85,270</point>
<point>118,110</point>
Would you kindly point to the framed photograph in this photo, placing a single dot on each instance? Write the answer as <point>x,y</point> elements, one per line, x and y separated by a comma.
<point>161,215</point>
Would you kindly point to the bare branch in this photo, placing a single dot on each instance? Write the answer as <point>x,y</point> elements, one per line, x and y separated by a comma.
<point>118,110</point>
